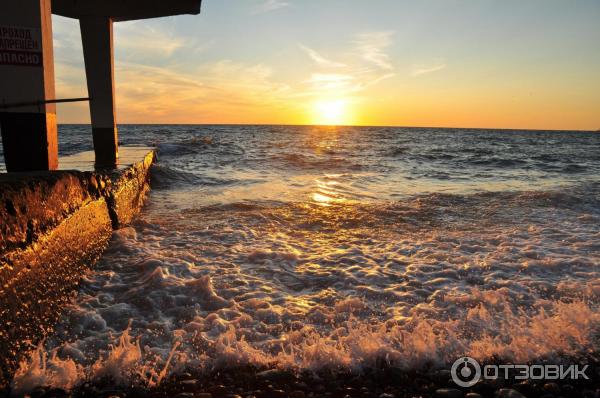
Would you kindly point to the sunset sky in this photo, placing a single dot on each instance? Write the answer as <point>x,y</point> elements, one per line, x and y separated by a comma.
<point>455,63</point>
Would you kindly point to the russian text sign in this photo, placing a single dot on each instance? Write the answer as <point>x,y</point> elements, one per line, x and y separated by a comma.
<point>20,46</point>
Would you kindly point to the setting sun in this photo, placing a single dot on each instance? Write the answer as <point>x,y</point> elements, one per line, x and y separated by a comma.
<point>331,112</point>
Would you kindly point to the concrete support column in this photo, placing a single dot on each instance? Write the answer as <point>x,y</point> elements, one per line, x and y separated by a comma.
<point>28,124</point>
<point>97,38</point>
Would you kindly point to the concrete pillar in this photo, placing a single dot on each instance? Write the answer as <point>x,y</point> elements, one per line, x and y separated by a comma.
<point>29,134</point>
<point>97,38</point>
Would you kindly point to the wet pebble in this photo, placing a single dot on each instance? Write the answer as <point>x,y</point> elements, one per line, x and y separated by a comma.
<point>552,388</point>
<point>55,393</point>
<point>108,392</point>
<point>184,395</point>
<point>297,394</point>
<point>448,393</point>
<point>274,375</point>
<point>276,394</point>
<point>218,391</point>
<point>568,390</point>
<point>526,388</point>
<point>443,377</point>
<point>320,388</point>
<point>508,393</point>
<point>138,391</point>
<point>38,392</point>
<point>300,385</point>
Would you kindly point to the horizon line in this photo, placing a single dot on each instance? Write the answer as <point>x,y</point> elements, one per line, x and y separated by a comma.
<point>342,125</point>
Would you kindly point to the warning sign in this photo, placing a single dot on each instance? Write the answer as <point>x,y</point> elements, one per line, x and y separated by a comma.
<point>20,46</point>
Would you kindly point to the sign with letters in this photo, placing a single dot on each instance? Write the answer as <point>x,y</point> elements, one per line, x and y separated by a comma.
<point>20,46</point>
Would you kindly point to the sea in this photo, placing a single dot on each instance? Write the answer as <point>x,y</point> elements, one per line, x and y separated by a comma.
<point>315,248</point>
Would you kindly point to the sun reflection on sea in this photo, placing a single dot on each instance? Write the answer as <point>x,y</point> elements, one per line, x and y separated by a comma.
<point>327,193</point>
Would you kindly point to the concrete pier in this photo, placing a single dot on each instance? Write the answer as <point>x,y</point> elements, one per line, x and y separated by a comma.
<point>98,53</point>
<point>55,225</point>
<point>27,96</point>
<point>96,20</point>
<point>29,133</point>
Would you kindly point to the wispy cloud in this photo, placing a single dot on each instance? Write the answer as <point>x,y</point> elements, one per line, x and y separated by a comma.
<point>372,46</point>
<point>366,63</point>
<point>339,85</point>
<point>270,5</point>
<point>154,76</point>
<point>222,90</point>
<point>419,70</point>
<point>328,81</point>
<point>321,60</point>
<point>137,39</point>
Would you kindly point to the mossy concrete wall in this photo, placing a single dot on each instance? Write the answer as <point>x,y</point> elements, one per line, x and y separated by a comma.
<point>53,227</point>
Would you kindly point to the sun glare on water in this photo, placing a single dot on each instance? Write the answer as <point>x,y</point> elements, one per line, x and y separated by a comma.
<point>331,112</point>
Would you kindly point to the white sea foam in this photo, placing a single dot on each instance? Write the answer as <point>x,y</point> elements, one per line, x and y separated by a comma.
<point>308,249</point>
<point>310,287</point>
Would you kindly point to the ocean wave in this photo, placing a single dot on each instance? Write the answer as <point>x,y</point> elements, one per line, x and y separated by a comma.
<point>193,145</point>
<point>340,249</point>
<point>307,162</point>
<point>413,283</point>
<point>489,331</point>
<point>574,168</point>
<point>166,177</point>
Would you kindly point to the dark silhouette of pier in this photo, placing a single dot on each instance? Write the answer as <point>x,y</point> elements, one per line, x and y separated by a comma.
<point>27,92</point>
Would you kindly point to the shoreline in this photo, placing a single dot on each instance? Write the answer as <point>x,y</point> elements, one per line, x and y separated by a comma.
<point>383,382</point>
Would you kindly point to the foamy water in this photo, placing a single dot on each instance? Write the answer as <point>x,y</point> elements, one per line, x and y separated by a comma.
<point>339,248</point>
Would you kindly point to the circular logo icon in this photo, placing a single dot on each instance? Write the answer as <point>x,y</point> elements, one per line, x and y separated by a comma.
<point>465,372</point>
